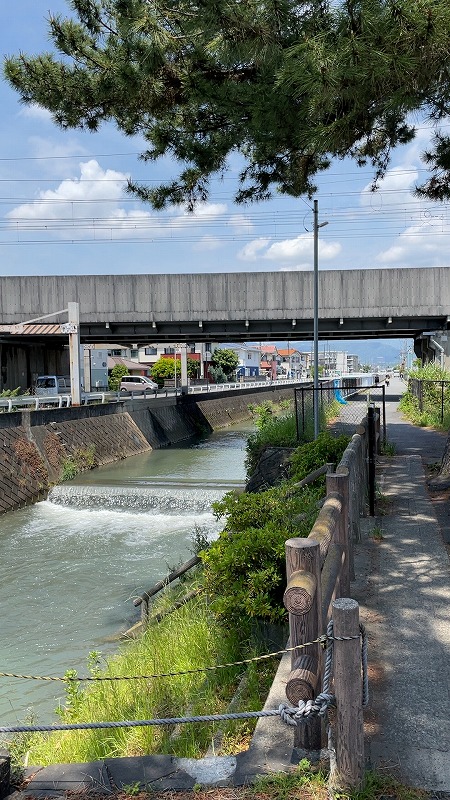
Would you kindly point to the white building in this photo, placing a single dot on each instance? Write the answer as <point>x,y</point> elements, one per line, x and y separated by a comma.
<point>249,360</point>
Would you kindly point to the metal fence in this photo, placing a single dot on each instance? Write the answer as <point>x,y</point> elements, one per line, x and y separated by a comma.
<point>343,405</point>
<point>433,397</point>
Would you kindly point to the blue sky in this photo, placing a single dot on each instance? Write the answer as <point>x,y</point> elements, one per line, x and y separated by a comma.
<point>64,210</point>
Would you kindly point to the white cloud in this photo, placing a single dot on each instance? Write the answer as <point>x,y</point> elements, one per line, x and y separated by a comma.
<point>34,111</point>
<point>425,244</point>
<point>251,251</point>
<point>94,185</point>
<point>203,211</point>
<point>91,205</point>
<point>86,206</point>
<point>398,179</point>
<point>241,224</point>
<point>208,243</point>
<point>298,251</point>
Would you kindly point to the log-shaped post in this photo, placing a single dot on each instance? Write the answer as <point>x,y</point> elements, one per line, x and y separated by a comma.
<point>300,592</point>
<point>338,483</point>
<point>304,592</point>
<point>349,769</point>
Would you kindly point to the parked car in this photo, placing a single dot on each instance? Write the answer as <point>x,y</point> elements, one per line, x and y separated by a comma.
<point>51,385</point>
<point>137,383</point>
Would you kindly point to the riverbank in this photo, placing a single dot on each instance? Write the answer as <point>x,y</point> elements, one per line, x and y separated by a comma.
<point>41,448</point>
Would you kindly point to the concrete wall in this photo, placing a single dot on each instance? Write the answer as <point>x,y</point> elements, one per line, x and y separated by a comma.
<point>35,445</point>
<point>219,297</point>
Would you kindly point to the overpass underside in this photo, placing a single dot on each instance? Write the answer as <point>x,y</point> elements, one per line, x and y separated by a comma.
<point>238,307</point>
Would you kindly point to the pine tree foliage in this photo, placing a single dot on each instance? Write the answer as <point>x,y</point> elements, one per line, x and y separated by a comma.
<point>287,85</point>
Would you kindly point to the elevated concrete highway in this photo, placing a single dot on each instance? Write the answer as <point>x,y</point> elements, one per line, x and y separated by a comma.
<point>231,306</point>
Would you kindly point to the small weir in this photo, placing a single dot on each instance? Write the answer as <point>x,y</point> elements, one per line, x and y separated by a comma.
<point>163,498</point>
<point>71,566</point>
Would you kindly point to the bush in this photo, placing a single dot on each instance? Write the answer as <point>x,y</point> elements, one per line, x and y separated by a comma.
<point>326,449</point>
<point>245,567</point>
<point>116,376</point>
<point>274,431</point>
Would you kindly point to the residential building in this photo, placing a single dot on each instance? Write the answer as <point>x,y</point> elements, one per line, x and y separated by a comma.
<point>270,361</point>
<point>249,360</point>
<point>353,364</point>
<point>293,363</point>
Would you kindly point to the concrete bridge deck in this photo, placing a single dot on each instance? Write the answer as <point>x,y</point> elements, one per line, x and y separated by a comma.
<point>356,303</point>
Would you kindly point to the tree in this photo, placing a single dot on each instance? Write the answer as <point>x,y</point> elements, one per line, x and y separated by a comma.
<point>165,369</point>
<point>288,85</point>
<point>226,360</point>
<point>116,375</point>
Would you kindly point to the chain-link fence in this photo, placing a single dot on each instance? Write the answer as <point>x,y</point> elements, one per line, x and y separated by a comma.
<point>433,397</point>
<point>342,406</point>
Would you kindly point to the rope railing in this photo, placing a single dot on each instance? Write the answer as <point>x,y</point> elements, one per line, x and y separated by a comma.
<point>321,640</point>
<point>289,715</point>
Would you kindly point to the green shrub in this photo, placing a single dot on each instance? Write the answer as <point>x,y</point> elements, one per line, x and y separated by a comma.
<point>116,376</point>
<point>80,461</point>
<point>277,431</point>
<point>325,449</point>
<point>245,567</point>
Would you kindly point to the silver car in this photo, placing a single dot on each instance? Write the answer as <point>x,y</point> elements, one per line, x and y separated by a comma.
<point>137,383</point>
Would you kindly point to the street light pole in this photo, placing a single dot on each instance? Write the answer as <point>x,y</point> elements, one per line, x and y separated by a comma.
<point>316,227</point>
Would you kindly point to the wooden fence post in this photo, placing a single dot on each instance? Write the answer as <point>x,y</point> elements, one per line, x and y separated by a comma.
<point>349,770</point>
<point>339,482</point>
<point>304,601</point>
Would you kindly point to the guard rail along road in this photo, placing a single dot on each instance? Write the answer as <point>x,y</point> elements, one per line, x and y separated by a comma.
<point>33,402</point>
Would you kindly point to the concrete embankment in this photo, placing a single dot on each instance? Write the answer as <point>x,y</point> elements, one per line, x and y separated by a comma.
<point>38,447</point>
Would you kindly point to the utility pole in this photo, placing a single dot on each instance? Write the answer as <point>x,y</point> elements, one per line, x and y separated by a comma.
<point>316,227</point>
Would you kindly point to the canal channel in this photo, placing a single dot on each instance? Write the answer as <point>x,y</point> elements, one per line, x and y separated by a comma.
<point>70,566</point>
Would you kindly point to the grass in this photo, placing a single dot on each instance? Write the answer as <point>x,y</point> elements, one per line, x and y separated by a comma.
<point>377,533</point>
<point>188,639</point>
<point>387,449</point>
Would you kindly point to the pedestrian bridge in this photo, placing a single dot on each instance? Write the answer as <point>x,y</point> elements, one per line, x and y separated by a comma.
<point>356,303</point>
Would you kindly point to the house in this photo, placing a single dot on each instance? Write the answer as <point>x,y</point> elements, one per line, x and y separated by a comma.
<point>293,363</point>
<point>249,360</point>
<point>270,360</point>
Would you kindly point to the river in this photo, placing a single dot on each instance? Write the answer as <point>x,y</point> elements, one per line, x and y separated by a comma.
<point>71,565</point>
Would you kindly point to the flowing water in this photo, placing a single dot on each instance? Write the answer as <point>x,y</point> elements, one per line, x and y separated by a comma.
<point>70,566</point>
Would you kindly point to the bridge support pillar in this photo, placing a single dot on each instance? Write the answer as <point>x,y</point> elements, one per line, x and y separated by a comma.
<point>73,329</point>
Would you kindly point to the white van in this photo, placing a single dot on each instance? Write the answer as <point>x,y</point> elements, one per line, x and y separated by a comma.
<point>52,385</point>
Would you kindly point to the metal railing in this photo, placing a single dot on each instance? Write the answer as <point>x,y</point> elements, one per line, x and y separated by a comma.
<point>433,396</point>
<point>35,402</point>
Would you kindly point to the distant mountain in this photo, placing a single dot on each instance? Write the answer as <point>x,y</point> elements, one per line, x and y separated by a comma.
<point>376,352</point>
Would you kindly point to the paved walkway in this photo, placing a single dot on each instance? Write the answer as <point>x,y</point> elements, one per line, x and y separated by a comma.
<point>403,588</point>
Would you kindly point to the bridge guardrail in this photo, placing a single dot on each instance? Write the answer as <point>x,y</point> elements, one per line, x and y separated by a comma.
<point>9,404</point>
<point>26,401</point>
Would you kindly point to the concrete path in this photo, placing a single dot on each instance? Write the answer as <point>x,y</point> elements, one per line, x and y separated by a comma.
<point>403,588</point>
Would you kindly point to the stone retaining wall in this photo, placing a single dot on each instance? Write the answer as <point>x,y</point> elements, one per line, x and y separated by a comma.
<point>35,446</point>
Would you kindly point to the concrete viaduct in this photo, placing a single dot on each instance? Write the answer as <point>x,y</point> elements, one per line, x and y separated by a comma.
<point>263,306</point>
